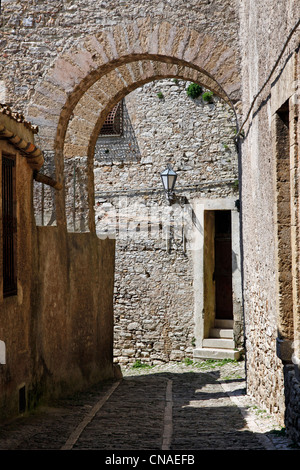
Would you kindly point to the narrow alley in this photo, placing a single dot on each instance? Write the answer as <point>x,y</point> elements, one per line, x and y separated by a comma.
<point>174,407</point>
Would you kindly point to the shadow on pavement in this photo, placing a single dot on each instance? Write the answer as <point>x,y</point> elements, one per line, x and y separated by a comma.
<point>133,418</point>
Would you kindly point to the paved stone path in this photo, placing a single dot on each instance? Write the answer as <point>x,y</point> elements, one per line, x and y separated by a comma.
<point>175,407</point>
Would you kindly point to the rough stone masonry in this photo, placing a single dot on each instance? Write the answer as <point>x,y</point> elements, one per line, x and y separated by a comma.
<point>154,279</point>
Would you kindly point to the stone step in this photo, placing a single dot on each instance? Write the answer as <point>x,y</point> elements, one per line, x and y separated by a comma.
<point>218,343</point>
<point>210,353</point>
<point>223,323</point>
<point>221,333</point>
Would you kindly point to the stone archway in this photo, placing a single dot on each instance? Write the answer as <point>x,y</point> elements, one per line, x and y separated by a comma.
<point>91,110</point>
<point>85,82</point>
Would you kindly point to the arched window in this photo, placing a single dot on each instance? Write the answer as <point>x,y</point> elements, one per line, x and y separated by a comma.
<point>113,124</point>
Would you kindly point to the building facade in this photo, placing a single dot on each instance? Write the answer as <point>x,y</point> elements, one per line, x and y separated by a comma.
<point>270,77</point>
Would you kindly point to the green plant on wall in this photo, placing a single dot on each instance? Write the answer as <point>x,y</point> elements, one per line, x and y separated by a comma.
<point>194,90</point>
<point>207,97</point>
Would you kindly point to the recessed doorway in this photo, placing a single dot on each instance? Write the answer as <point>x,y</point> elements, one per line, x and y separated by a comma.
<point>223,266</point>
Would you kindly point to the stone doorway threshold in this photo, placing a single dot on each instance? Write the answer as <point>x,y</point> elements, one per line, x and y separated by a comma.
<point>220,343</point>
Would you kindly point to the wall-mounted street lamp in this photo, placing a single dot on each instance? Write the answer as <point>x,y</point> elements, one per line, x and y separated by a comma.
<point>168,177</point>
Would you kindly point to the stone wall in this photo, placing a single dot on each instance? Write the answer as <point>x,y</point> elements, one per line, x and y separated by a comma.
<point>264,28</point>
<point>292,400</point>
<point>72,311</point>
<point>154,278</point>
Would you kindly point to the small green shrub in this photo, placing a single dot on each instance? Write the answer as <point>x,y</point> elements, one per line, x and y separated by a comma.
<point>160,95</point>
<point>236,184</point>
<point>194,90</point>
<point>139,364</point>
<point>207,96</point>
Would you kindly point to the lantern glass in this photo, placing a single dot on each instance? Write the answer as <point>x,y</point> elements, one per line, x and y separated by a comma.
<point>168,177</point>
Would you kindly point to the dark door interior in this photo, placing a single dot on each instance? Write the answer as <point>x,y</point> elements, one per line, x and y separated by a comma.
<point>223,265</point>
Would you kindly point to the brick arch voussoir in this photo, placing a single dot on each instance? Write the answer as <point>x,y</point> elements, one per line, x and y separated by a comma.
<point>197,56</point>
<point>76,70</point>
<point>87,148</point>
<point>91,110</point>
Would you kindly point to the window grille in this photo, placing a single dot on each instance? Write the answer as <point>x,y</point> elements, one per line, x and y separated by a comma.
<point>9,226</point>
<point>113,124</point>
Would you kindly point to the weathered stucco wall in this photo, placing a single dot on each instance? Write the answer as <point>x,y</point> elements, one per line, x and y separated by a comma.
<point>56,332</point>
<point>73,308</point>
<point>15,317</point>
<point>264,28</point>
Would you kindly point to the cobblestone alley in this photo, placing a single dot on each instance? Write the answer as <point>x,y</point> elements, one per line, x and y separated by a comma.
<point>176,407</point>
